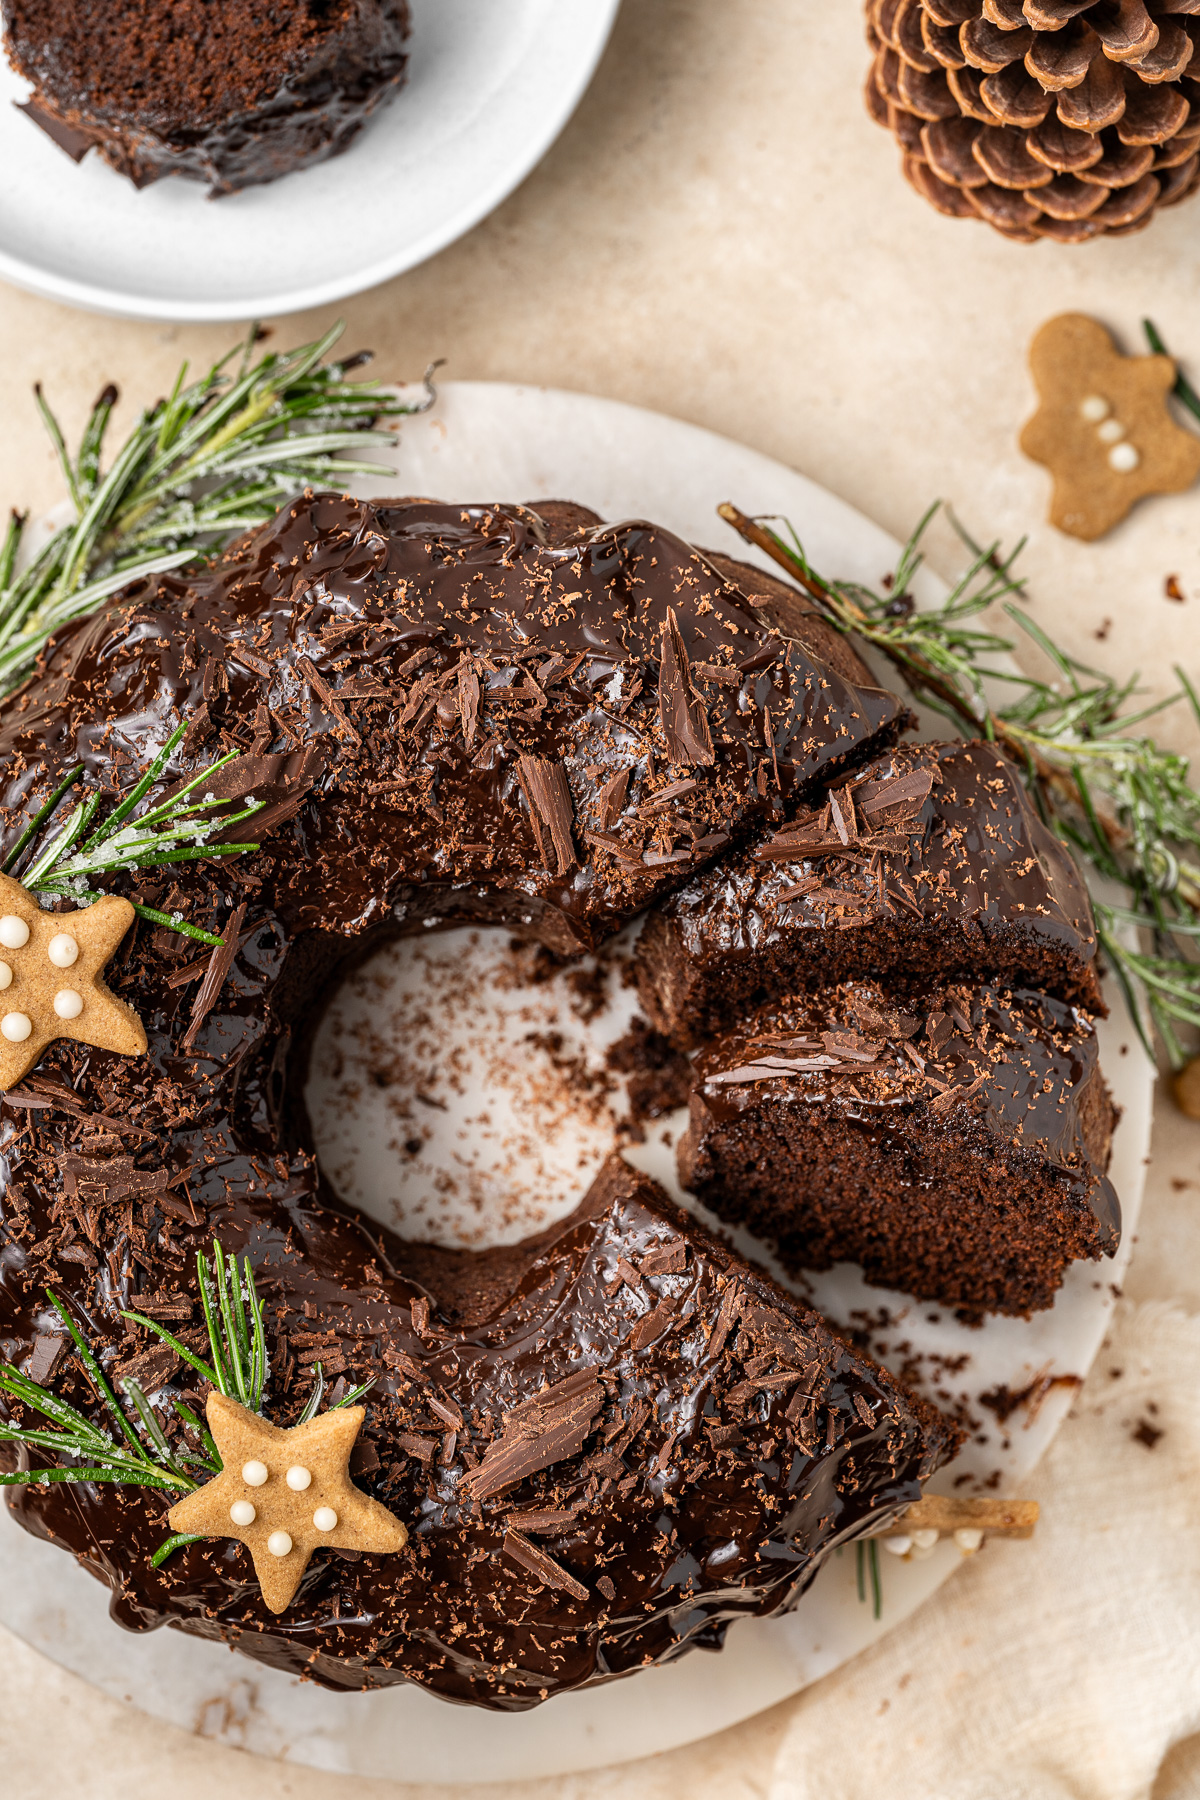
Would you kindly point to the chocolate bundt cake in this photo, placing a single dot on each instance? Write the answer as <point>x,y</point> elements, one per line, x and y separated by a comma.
<point>953,1141</point>
<point>231,92</point>
<point>931,862</point>
<point>608,1442</point>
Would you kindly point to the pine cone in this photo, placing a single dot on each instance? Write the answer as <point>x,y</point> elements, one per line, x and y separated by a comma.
<point>1065,119</point>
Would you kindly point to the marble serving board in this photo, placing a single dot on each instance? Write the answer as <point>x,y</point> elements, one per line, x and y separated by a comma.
<point>492,1126</point>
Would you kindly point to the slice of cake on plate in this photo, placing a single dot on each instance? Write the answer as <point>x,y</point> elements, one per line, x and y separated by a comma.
<point>232,94</point>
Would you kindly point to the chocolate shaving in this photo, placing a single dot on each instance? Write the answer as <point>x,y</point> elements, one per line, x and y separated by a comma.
<point>43,1358</point>
<point>762,1384</point>
<point>610,799</point>
<point>842,808</point>
<point>423,1448</point>
<point>541,1566</point>
<point>652,1325</point>
<point>863,1409</point>
<point>681,711</point>
<point>550,1427</point>
<point>364,690</point>
<point>838,897</point>
<point>326,696</point>
<point>950,1096</point>
<point>847,1045</point>
<point>674,790</point>
<point>910,791</point>
<point>545,1521</point>
<point>665,1259</point>
<point>167,1306</point>
<point>445,1409</point>
<point>548,797</point>
<point>193,970</point>
<point>415,662</point>
<point>724,1321</point>
<point>614,846</point>
<point>771,1068</point>
<point>468,701</point>
<point>255,664</point>
<point>96,1181</point>
<point>151,1368</point>
<point>219,965</point>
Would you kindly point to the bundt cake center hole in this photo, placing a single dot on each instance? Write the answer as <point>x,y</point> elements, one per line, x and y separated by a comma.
<point>464,1087</point>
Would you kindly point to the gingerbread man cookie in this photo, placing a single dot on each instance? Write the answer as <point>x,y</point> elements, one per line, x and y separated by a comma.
<point>285,1493</point>
<point>51,980</point>
<point>1103,428</point>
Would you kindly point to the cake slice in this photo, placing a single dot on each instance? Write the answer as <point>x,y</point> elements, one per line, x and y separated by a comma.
<point>930,861</point>
<point>954,1144</point>
<point>233,94</point>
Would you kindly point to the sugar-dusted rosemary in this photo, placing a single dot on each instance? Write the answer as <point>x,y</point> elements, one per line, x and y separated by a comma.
<point>63,861</point>
<point>1123,805</point>
<point>217,457</point>
<point>139,1453</point>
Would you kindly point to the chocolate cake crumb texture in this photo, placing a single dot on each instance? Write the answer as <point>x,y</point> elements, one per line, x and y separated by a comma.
<point>953,1141</point>
<point>232,94</point>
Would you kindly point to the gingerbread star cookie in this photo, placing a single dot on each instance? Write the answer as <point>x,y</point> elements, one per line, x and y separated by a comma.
<point>285,1493</point>
<point>51,980</point>
<point>1103,428</point>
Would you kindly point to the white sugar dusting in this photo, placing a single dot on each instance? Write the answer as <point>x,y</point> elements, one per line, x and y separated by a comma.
<point>458,1089</point>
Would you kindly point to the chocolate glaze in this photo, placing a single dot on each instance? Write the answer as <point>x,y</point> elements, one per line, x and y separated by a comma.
<point>979,886</point>
<point>396,673</point>
<point>1010,1117</point>
<point>177,91</point>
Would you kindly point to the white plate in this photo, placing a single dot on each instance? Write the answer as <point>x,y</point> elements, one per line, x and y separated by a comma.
<point>488,442</point>
<point>489,88</point>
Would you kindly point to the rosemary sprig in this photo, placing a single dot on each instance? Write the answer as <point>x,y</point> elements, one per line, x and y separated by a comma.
<point>124,1459</point>
<point>217,457</point>
<point>1183,390</point>
<point>178,829</point>
<point>140,1455</point>
<point>866,1555</point>
<point>1123,805</point>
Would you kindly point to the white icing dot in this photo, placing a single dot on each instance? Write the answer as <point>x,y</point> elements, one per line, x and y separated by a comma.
<point>279,1543</point>
<point>899,1546</point>
<point>925,1538</point>
<point>243,1512</point>
<point>16,1027</point>
<point>1094,408</point>
<point>968,1539</point>
<point>1111,431</point>
<point>254,1473</point>
<point>14,932</point>
<point>298,1478</point>
<point>325,1519</point>
<point>5,976</point>
<point>1123,458</point>
<point>62,950</point>
<point>68,1004</point>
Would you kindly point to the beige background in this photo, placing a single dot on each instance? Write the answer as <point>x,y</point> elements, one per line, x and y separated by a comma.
<point>723,235</point>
